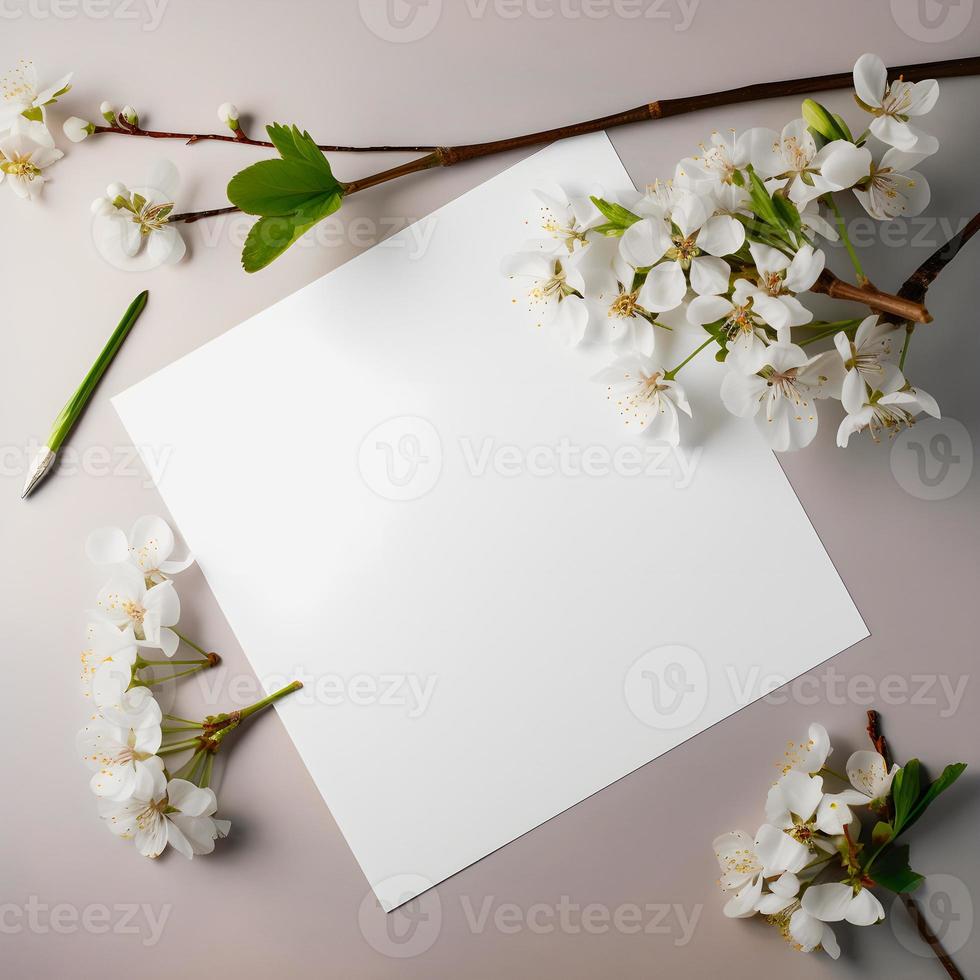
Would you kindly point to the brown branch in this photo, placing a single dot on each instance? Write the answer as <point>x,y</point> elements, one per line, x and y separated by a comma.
<point>915,913</point>
<point>928,936</point>
<point>899,306</point>
<point>877,738</point>
<point>189,217</point>
<point>917,284</point>
<point>122,128</point>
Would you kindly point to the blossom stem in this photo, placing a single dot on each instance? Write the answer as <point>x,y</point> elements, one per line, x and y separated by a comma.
<point>928,936</point>
<point>846,239</point>
<point>178,746</point>
<point>180,729</point>
<point>180,673</point>
<point>670,375</point>
<point>909,330</point>
<point>271,699</point>
<point>185,771</point>
<point>124,129</point>
<point>834,773</point>
<point>186,721</point>
<point>192,644</point>
<point>204,778</point>
<point>830,329</point>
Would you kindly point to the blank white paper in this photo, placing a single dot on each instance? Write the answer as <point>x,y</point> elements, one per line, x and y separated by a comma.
<point>501,599</point>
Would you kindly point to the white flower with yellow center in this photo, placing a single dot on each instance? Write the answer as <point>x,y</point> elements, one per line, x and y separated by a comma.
<point>22,97</point>
<point>888,410</point>
<point>159,813</point>
<point>871,781</point>
<point>778,279</point>
<point>565,219</point>
<point>148,547</point>
<point>746,331</point>
<point>119,741</point>
<point>780,395</point>
<point>107,661</point>
<point>893,104</point>
<point>555,290</point>
<point>682,249</point>
<point>721,158</point>
<point>792,156</point>
<point>126,601</point>
<point>865,363</point>
<point>24,158</point>
<point>131,228</point>
<point>645,397</point>
<point>895,189</point>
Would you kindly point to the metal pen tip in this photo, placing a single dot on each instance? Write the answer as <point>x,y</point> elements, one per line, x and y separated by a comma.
<point>39,469</point>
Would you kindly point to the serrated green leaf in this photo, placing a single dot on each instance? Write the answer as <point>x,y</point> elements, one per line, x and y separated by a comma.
<point>271,235</point>
<point>892,870</point>
<point>615,214</point>
<point>295,145</point>
<point>279,187</point>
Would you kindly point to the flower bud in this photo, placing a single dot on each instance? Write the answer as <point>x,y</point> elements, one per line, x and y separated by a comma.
<point>108,111</point>
<point>77,129</point>
<point>102,206</point>
<point>130,115</point>
<point>116,190</point>
<point>228,114</point>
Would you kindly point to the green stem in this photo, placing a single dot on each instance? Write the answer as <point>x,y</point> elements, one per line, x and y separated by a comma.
<point>836,775</point>
<point>178,729</point>
<point>178,747</point>
<point>173,677</point>
<point>830,329</point>
<point>670,375</point>
<point>910,327</point>
<point>842,226</point>
<point>186,721</point>
<point>141,662</point>
<point>192,644</point>
<point>69,414</point>
<point>271,699</point>
<point>188,767</point>
<point>204,779</point>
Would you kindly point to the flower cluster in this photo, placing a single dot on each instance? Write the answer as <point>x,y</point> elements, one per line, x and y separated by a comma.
<point>26,145</point>
<point>727,247</point>
<point>128,739</point>
<point>812,831</point>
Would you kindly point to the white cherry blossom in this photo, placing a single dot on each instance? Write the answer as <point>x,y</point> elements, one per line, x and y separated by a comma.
<point>107,661</point>
<point>682,249</point>
<point>149,546</point>
<point>865,362</point>
<point>159,813</point>
<point>895,189</point>
<point>118,742</point>
<point>151,612</point>
<point>554,293</point>
<point>808,173</point>
<point>21,92</point>
<point>780,396</point>
<point>644,397</point>
<point>24,156</point>
<point>889,410</point>
<point>893,104</point>
<point>777,280</point>
<point>565,219</point>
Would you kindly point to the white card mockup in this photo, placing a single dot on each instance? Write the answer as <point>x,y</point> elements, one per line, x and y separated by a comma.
<point>500,599</point>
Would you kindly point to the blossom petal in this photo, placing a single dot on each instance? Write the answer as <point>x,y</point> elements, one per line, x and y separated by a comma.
<point>870,79</point>
<point>721,235</point>
<point>778,851</point>
<point>665,287</point>
<point>644,242</point>
<point>107,546</point>
<point>828,902</point>
<point>710,275</point>
<point>864,910</point>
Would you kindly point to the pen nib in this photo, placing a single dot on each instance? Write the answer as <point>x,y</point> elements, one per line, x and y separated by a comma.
<point>39,469</point>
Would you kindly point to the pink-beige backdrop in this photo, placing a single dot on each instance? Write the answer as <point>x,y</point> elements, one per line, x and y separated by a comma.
<point>622,885</point>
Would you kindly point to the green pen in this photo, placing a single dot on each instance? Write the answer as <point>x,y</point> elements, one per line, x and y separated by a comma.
<point>64,423</point>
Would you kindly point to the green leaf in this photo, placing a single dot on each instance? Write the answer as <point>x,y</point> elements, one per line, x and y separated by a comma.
<point>34,114</point>
<point>892,870</point>
<point>279,187</point>
<point>296,145</point>
<point>946,779</point>
<point>271,235</point>
<point>844,128</point>
<point>788,216</point>
<point>822,121</point>
<point>905,792</point>
<point>761,200</point>
<point>616,215</point>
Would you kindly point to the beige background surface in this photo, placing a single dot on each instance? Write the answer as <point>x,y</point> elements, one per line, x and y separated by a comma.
<point>284,894</point>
